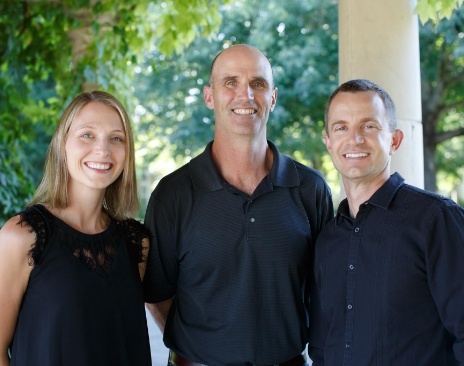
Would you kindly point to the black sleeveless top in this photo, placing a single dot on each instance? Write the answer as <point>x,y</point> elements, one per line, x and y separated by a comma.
<point>83,305</point>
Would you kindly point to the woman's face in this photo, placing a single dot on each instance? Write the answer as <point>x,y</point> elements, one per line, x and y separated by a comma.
<point>95,147</point>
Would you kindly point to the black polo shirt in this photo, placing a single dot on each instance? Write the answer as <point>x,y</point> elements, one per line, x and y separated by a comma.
<point>237,264</point>
<point>390,283</point>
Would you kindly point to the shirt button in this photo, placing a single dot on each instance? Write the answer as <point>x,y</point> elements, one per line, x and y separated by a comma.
<point>350,306</point>
<point>356,230</point>
<point>351,266</point>
<point>252,219</point>
<point>347,345</point>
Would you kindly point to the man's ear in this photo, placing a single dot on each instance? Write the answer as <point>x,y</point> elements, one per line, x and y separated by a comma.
<point>274,98</point>
<point>208,96</point>
<point>327,142</point>
<point>397,138</point>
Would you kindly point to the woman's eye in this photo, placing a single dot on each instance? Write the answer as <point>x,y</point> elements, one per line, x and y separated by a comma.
<point>118,139</point>
<point>86,135</point>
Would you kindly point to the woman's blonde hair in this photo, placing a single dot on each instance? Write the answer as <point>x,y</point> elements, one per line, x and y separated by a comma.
<point>121,198</point>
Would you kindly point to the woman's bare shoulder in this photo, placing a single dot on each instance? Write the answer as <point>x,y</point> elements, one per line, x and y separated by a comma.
<point>16,236</point>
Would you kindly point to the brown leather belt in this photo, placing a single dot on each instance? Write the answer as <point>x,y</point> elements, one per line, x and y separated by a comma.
<point>177,360</point>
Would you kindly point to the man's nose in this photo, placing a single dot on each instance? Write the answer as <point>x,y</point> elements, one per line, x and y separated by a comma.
<point>246,92</point>
<point>357,137</point>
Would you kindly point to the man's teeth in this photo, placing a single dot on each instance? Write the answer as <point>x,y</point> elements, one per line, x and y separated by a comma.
<point>100,166</point>
<point>244,111</point>
<point>358,155</point>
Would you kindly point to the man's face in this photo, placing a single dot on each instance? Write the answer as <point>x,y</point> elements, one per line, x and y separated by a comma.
<point>242,93</point>
<point>359,139</point>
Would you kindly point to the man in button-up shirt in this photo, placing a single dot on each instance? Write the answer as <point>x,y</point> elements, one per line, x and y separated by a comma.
<point>234,231</point>
<point>389,269</point>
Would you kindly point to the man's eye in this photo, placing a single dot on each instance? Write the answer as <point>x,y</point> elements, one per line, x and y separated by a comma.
<point>231,83</point>
<point>86,135</point>
<point>370,127</point>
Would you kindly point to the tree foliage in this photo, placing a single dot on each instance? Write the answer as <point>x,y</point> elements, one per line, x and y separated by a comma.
<point>442,80</point>
<point>50,50</point>
<point>436,10</point>
<point>301,41</point>
<point>299,38</point>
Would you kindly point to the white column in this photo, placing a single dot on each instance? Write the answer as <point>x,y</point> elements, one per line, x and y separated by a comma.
<point>379,41</point>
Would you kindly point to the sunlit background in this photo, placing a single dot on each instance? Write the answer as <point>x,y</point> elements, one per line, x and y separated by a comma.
<point>155,56</point>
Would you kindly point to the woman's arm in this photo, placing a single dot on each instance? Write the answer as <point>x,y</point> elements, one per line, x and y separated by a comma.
<point>15,242</point>
<point>143,265</point>
<point>160,312</point>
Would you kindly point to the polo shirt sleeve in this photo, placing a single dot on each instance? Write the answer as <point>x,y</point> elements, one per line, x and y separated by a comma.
<point>317,201</point>
<point>325,206</point>
<point>162,268</point>
<point>445,270</point>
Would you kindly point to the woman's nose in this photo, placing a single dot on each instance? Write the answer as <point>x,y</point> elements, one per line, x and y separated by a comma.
<point>103,146</point>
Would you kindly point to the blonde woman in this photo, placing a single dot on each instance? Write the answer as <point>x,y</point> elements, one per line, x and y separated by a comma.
<point>72,262</point>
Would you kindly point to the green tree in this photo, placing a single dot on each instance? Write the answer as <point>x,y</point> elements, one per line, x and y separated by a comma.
<point>300,39</point>
<point>52,49</point>
<point>436,10</point>
<point>442,80</point>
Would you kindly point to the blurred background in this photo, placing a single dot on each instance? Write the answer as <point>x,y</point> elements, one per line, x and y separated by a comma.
<point>155,57</point>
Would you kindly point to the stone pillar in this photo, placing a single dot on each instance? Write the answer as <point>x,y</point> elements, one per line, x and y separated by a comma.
<point>379,41</point>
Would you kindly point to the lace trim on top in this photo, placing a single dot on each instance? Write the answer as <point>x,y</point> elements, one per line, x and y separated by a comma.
<point>41,224</point>
<point>97,252</point>
<point>134,232</point>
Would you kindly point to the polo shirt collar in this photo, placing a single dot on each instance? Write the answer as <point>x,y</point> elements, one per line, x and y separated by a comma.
<point>206,177</point>
<point>381,198</point>
<point>283,172</point>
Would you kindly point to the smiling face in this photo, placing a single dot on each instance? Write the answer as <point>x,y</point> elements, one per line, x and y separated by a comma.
<point>358,137</point>
<point>95,148</point>
<point>242,92</point>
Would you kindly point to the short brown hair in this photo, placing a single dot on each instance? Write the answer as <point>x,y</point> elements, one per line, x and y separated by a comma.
<point>363,85</point>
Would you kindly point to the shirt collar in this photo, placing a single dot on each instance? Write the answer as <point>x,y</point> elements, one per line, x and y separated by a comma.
<point>206,177</point>
<point>381,198</point>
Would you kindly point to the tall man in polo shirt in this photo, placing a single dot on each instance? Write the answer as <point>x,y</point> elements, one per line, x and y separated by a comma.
<point>389,267</point>
<point>233,232</point>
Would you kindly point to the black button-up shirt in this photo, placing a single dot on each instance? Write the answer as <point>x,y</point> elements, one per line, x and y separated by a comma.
<point>390,283</point>
<point>237,264</point>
